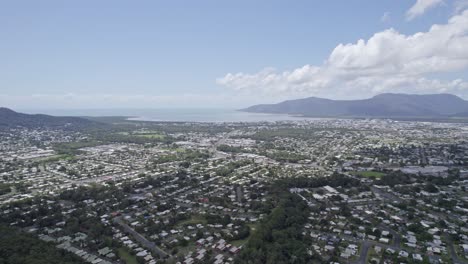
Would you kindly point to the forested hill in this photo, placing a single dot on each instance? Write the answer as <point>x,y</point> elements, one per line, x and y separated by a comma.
<point>383,105</point>
<point>12,119</point>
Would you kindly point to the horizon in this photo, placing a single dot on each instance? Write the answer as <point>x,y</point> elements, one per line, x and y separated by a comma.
<point>233,132</point>
<point>220,114</point>
<point>89,55</point>
<point>139,111</point>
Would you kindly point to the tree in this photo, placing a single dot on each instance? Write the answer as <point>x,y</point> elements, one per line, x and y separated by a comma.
<point>431,188</point>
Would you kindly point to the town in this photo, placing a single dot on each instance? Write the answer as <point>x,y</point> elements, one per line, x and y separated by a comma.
<point>310,191</point>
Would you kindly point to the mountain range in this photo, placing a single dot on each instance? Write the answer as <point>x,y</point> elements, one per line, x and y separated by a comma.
<point>385,105</point>
<point>12,119</point>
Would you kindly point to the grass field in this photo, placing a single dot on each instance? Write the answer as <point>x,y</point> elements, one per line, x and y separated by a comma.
<point>56,158</point>
<point>375,174</point>
<point>153,136</point>
<point>238,243</point>
<point>180,150</point>
<point>193,221</point>
<point>191,247</point>
<point>146,134</point>
<point>126,256</point>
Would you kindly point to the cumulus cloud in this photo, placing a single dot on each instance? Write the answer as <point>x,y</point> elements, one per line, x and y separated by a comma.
<point>420,7</point>
<point>388,61</point>
<point>460,5</point>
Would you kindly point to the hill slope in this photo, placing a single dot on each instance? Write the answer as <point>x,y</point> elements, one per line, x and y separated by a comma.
<point>12,119</point>
<point>383,105</point>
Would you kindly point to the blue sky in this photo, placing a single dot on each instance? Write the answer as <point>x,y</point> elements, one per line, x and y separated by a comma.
<point>104,54</point>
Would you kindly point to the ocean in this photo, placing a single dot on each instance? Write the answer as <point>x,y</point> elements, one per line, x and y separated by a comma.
<point>172,114</point>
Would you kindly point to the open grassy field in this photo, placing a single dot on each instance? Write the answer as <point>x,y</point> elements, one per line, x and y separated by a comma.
<point>126,256</point>
<point>191,247</point>
<point>375,174</point>
<point>146,134</point>
<point>238,243</point>
<point>153,136</point>
<point>196,219</point>
<point>55,158</point>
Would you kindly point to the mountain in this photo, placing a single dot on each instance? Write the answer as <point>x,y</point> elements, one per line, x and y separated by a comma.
<point>382,105</point>
<point>12,119</point>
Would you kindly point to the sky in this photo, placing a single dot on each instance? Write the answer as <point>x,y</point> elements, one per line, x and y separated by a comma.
<point>210,54</point>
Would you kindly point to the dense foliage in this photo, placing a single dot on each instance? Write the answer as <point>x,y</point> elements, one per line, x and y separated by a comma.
<point>17,247</point>
<point>279,238</point>
<point>4,188</point>
<point>227,148</point>
<point>335,180</point>
<point>286,156</point>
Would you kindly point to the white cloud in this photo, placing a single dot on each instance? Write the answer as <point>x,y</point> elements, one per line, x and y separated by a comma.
<point>460,5</point>
<point>388,61</point>
<point>385,18</point>
<point>420,7</point>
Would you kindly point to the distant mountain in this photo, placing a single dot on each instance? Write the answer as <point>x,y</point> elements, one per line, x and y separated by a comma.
<point>383,105</point>
<point>12,119</point>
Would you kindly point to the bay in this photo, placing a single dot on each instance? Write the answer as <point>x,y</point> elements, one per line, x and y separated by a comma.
<point>173,114</point>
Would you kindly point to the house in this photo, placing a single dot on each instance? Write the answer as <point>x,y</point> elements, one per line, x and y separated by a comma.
<point>345,255</point>
<point>234,250</point>
<point>104,251</point>
<point>417,257</point>
<point>384,240</point>
<point>403,254</point>
<point>465,248</point>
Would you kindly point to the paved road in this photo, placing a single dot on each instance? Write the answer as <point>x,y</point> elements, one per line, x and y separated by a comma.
<point>364,250</point>
<point>143,241</point>
<point>453,255</point>
<point>396,236</point>
<point>366,245</point>
<point>452,252</point>
<point>386,195</point>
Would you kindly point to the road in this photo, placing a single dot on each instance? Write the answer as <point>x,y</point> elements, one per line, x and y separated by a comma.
<point>366,245</point>
<point>452,252</point>
<point>141,239</point>
<point>386,195</point>
<point>213,149</point>
<point>364,251</point>
<point>451,249</point>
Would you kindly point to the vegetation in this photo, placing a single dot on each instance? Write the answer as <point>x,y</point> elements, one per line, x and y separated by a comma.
<point>335,180</point>
<point>126,256</point>
<point>151,135</point>
<point>4,188</point>
<point>134,138</point>
<point>55,158</point>
<point>395,178</point>
<point>72,148</point>
<point>227,148</point>
<point>304,133</point>
<point>193,220</point>
<point>278,238</point>
<point>17,247</point>
<point>231,167</point>
<point>285,156</point>
<point>369,174</point>
<point>184,156</point>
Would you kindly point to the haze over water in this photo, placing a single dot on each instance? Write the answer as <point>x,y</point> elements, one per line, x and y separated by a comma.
<point>175,114</point>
